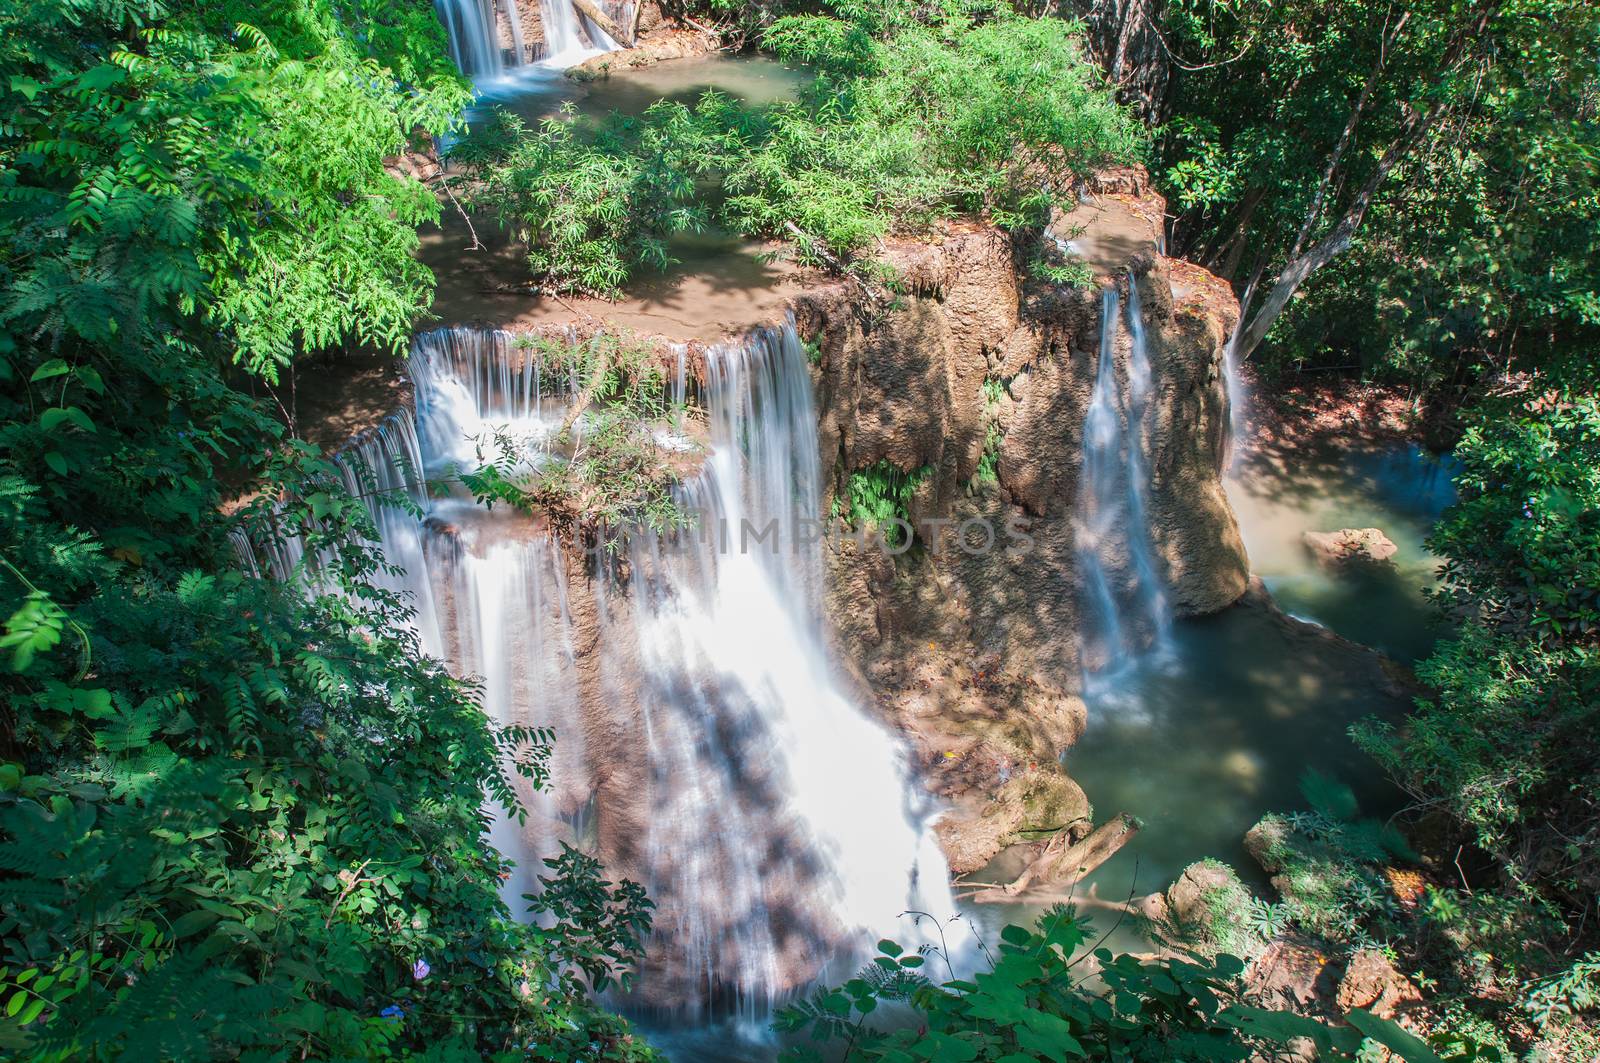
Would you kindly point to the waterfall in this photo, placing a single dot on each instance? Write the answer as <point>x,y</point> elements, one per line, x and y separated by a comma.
<point>703,742</point>
<point>569,38</point>
<point>1126,603</point>
<point>474,36</point>
<point>474,31</point>
<point>813,835</point>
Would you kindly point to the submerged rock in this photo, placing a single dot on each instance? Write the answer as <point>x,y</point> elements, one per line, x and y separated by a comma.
<point>1349,546</point>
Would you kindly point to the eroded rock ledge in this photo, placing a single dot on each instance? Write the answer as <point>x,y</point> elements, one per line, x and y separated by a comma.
<point>979,382</point>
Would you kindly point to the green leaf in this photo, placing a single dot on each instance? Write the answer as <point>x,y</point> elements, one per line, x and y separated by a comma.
<point>102,77</point>
<point>191,923</point>
<point>56,416</point>
<point>53,368</point>
<point>56,461</point>
<point>1391,1036</point>
<point>1015,935</point>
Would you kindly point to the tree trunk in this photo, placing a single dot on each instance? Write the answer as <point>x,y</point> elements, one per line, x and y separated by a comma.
<point>1232,249</point>
<point>1122,38</point>
<point>591,10</point>
<point>1252,329</point>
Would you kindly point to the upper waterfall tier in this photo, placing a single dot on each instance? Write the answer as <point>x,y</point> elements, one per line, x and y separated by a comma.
<point>488,38</point>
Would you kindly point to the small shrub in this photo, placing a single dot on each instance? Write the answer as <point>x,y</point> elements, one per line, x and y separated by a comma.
<point>879,495</point>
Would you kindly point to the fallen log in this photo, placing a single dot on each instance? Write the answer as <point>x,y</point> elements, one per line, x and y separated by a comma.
<point>1059,861</point>
<point>591,10</point>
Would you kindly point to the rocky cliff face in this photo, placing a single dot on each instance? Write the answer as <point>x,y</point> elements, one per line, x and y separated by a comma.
<point>975,386</point>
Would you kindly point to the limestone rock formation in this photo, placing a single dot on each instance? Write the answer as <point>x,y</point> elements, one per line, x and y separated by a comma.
<point>660,43</point>
<point>1205,910</point>
<point>974,388</point>
<point>1349,546</point>
<point>973,385</point>
<point>1372,982</point>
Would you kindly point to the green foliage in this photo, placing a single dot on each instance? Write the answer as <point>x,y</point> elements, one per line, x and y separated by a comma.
<point>599,930</point>
<point>1072,274</point>
<point>988,471</point>
<point>1561,995</point>
<point>1033,1002</point>
<point>591,210</point>
<point>879,495</point>
<point>1506,744</point>
<point>1477,252</point>
<point>1056,263</point>
<point>238,819</point>
<point>223,156</point>
<point>908,122</point>
<point>608,471</point>
<point>1328,866</point>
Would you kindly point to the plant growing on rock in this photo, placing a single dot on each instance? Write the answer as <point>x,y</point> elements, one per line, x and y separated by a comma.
<point>879,495</point>
<point>605,470</point>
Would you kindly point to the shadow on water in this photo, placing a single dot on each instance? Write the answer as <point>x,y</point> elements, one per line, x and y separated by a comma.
<point>1399,490</point>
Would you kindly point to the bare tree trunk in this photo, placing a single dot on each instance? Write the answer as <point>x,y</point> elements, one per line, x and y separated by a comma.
<point>1058,861</point>
<point>1252,329</point>
<point>591,10</point>
<point>1344,136</point>
<point>1249,336</point>
<point>1232,249</point>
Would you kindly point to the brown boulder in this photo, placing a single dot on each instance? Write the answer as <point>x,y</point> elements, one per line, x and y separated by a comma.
<point>1036,801</point>
<point>1372,982</point>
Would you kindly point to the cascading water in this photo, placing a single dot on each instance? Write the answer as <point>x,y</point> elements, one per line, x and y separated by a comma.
<point>1125,599</point>
<point>773,793</point>
<point>473,28</point>
<point>703,743</point>
<point>474,36</point>
<point>570,38</point>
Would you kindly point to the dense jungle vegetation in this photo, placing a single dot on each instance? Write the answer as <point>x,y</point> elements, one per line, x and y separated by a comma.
<point>246,819</point>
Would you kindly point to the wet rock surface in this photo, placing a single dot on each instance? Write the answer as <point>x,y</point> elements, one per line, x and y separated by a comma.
<point>976,386</point>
